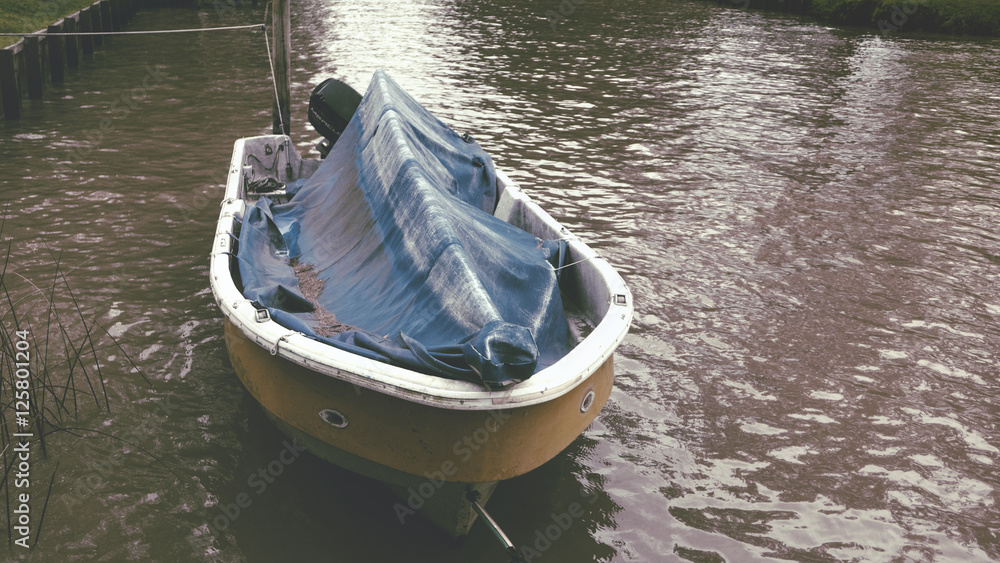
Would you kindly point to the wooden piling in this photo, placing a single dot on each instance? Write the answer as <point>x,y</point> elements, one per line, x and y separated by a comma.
<point>86,41</point>
<point>33,76</point>
<point>282,55</point>
<point>10,89</point>
<point>57,54</point>
<point>97,24</point>
<point>72,43</point>
<point>26,66</point>
<point>105,19</point>
<point>116,15</point>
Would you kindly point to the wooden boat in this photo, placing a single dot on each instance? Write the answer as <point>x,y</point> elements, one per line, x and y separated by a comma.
<point>439,443</point>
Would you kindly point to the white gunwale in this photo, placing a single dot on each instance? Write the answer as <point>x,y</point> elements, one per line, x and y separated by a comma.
<point>609,307</point>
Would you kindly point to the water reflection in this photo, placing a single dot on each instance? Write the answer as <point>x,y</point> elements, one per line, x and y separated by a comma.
<point>805,215</point>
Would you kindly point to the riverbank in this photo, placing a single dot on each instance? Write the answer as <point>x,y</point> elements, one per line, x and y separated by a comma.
<point>960,17</point>
<point>955,17</point>
<point>29,16</point>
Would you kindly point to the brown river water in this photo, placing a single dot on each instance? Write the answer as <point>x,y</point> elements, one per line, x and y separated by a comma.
<point>807,217</point>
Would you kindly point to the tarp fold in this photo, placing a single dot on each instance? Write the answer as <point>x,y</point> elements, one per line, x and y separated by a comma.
<point>390,251</point>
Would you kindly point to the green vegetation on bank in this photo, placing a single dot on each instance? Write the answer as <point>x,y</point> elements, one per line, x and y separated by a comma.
<point>27,16</point>
<point>972,17</point>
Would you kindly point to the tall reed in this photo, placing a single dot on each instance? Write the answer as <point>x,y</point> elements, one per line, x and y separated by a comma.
<point>44,330</point>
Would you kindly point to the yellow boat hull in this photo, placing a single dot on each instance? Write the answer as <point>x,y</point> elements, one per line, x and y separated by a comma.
<point>436,442</point>
<point>435,453</point>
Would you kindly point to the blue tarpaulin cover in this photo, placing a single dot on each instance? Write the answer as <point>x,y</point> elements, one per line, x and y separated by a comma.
<point>390,251</point>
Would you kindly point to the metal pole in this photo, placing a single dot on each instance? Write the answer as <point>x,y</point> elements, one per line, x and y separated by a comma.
<point>515,555</point>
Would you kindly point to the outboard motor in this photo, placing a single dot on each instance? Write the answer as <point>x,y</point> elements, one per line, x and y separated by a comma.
<point>331,106</point>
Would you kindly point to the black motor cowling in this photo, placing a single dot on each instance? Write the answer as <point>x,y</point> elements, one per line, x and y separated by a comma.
<point>331,106</point>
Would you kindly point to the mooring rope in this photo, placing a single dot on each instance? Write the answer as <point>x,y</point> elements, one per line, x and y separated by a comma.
<point>557,268</point>
<point>261,27</point>
<point>150,32</point>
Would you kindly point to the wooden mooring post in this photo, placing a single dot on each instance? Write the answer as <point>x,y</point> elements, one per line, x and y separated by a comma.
<point>86,26</point>
<point>281,54</point>
<point>57,54</point>
<point>34,77</point>
<point>116,15</point>
<point>105,19</point>
<point>96,24</point>
<point>10,89</point>
<point>72,43</point>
